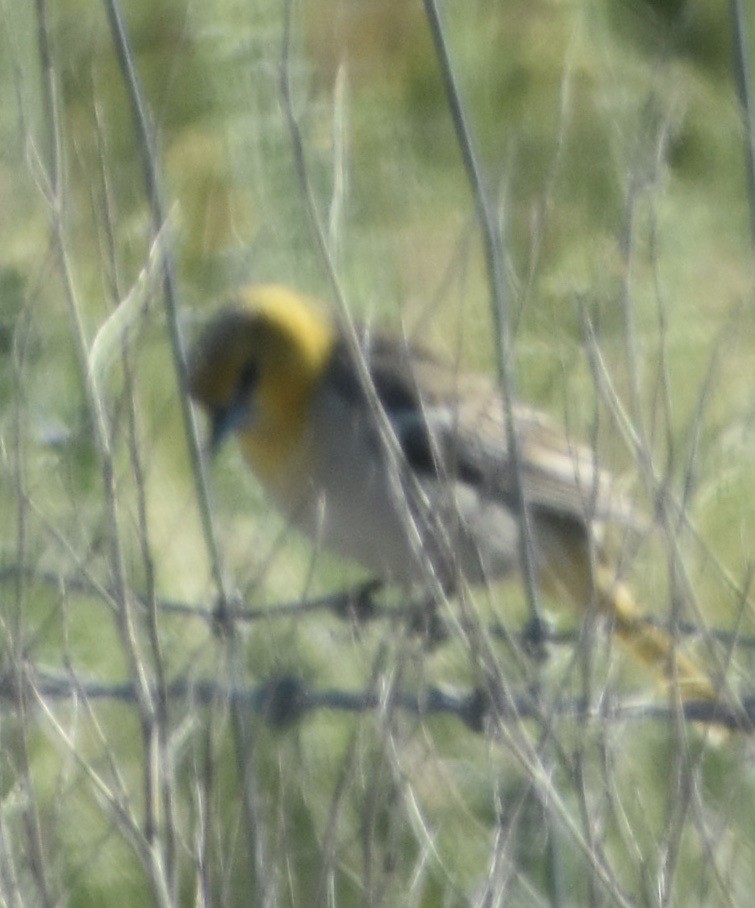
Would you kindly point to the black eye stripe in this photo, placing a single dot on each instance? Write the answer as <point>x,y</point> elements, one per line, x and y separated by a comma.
<point>249,377</point>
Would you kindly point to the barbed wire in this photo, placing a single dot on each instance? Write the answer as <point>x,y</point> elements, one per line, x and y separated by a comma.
<point>359,604</point>
<point>285,699</point>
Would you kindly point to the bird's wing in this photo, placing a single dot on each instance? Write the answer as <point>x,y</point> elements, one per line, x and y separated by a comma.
<point>557,475</point>
<point>454,424</point>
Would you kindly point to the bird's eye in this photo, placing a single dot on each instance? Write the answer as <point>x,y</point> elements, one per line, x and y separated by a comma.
<point>249,376</point>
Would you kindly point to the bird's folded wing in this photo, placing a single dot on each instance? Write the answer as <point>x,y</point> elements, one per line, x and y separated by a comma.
<point>455,424</point>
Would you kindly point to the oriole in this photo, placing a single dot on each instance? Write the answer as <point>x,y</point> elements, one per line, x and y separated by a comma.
<point>438,499</point>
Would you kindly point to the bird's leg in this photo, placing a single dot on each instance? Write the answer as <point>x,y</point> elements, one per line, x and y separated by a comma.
<point>425,621</point>
<point>358,604</point>
<point>535,637</point>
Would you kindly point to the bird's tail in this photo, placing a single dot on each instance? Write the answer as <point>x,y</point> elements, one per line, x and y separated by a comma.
<point>649,643</point>
<point>572,570</point>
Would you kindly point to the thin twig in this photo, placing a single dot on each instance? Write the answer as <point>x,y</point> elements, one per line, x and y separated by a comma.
<point>150,167</point>
<point>743,82</point>
<point>494,259</point>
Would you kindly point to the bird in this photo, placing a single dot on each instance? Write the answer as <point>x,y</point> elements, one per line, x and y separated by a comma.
<point>388,455</point>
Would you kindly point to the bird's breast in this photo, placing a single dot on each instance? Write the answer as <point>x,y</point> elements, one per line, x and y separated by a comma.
<point>341,486</point>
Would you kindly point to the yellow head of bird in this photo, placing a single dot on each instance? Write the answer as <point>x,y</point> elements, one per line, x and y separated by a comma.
<point>255,368</point>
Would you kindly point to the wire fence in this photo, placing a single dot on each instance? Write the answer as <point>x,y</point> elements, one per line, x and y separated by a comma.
<point>166,740</point>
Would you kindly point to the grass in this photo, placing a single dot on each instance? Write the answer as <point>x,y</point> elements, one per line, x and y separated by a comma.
<point>612,136</point>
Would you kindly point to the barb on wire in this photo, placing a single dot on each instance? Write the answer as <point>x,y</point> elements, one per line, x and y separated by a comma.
<point>285,699</point>
<point>359,605</point>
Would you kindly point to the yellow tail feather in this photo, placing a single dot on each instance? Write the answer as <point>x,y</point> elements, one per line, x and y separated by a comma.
<point>571,570</point>
<point>649,643</point>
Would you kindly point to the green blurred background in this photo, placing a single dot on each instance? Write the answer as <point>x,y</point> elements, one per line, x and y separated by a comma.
<point>613,139</point>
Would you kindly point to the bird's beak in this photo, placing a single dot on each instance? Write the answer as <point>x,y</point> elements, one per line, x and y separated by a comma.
<point>226,420</point>
<point>219,429</point>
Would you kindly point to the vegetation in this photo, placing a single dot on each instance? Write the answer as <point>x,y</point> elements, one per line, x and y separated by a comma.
<point>158,748</point>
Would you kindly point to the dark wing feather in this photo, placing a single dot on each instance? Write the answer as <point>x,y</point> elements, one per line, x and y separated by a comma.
<point>455,428</point>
